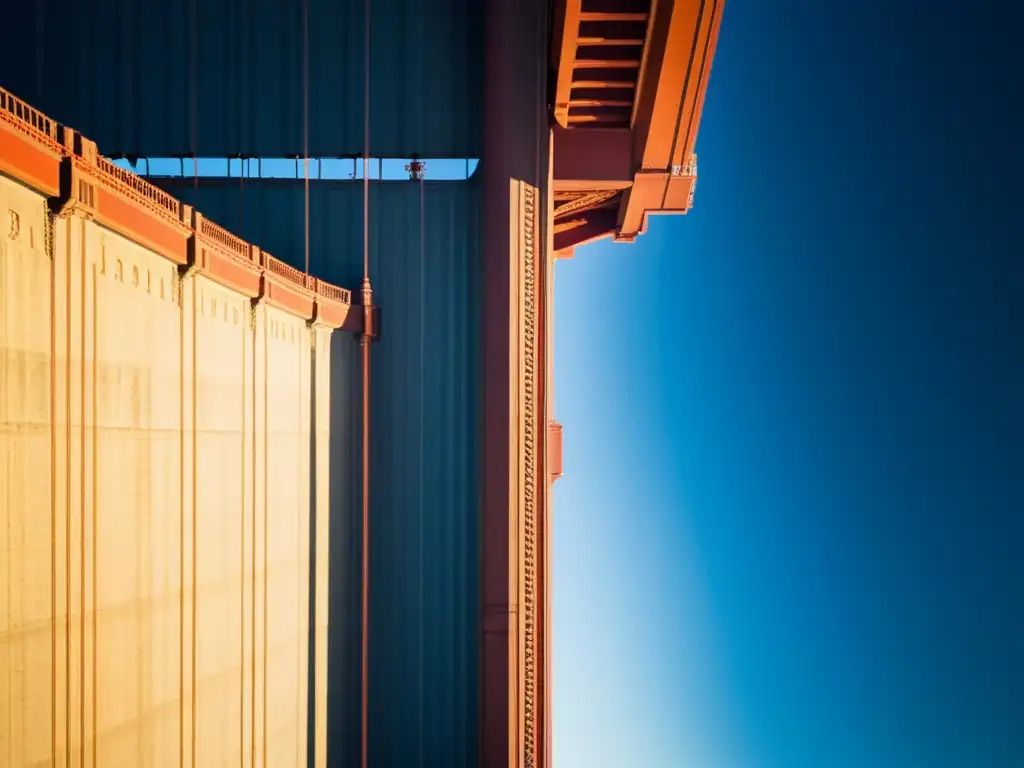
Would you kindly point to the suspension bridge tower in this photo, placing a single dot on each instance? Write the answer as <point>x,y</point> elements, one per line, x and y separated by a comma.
<point>340,222</point>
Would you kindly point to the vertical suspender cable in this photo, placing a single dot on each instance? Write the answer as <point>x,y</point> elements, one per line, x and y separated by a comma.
<point>194,141</point>
<point>366,150</point>
<point>367,296</point>
<point>423,368</point>
<point>243,98</point>
<point>40,53</point>
<point>305,121</point>
<point>241,192</point>
<point>194,112</point>
<point>309,282</point>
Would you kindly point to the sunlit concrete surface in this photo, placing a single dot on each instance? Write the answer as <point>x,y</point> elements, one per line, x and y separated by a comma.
<point>156,440</point>
<point>27,568</point>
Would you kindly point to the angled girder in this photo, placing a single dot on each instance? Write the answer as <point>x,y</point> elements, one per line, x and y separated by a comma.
<point>630,79</point>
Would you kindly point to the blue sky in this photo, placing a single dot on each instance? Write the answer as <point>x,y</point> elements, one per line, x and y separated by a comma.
<point>788,534</point>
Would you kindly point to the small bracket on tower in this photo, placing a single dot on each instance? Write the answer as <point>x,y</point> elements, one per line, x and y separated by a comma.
<point>179,278</point>
<point>371,314</point>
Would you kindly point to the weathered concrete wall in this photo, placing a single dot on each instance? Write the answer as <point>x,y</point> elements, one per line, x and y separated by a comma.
<point>157,477</point>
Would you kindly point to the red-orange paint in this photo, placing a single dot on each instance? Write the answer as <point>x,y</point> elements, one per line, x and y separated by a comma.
<point>280,295</point>
<point>244,278</point>
<point>138,224</point>
<point>27,161</point>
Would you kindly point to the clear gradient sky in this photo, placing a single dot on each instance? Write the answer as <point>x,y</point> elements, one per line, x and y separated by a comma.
<point>790,530</point>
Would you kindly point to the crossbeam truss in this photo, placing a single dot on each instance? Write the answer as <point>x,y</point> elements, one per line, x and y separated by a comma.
<point>319,168</point>
<point>630,78</point>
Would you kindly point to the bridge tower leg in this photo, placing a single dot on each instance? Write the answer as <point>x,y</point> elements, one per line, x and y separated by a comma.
<point>515,255</point>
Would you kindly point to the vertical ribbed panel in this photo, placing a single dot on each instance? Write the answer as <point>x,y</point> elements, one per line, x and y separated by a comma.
<point>424,474</point>
<point>343,646</point>
<point>154,507</point>
<point>424,454</point>
<point>121,71</point>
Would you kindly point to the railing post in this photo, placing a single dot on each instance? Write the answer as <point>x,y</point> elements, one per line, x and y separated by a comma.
<point>67,139</point>
<point>89,151</point>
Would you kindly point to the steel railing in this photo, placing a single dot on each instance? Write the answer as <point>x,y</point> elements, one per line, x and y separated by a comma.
<point>46,130</point>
